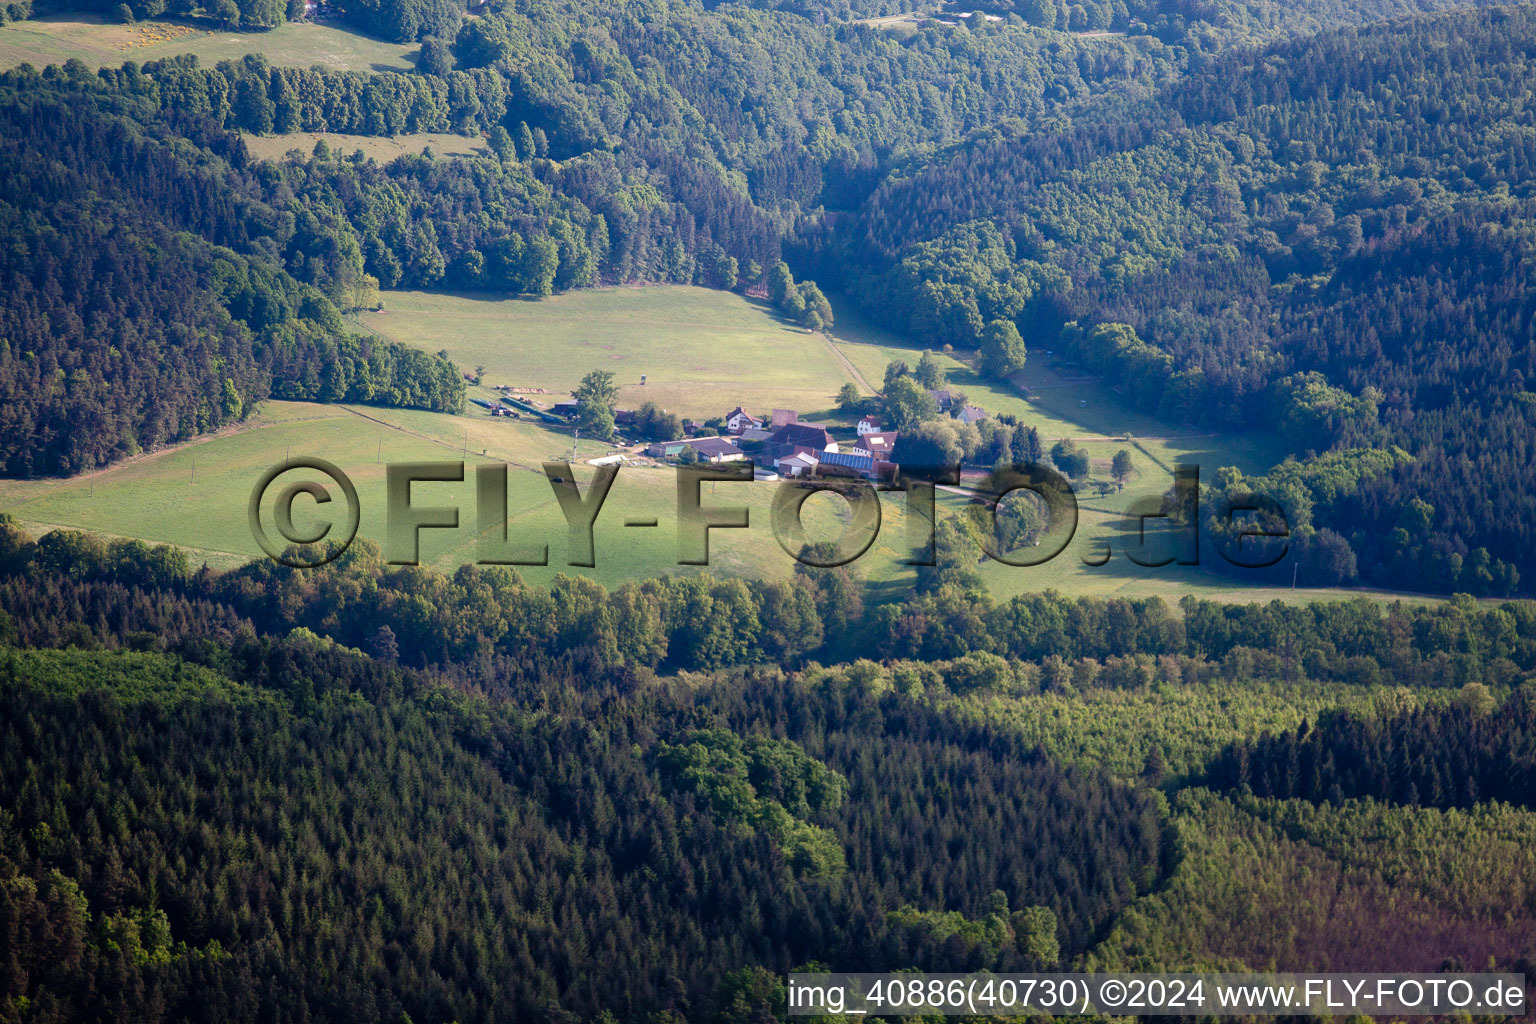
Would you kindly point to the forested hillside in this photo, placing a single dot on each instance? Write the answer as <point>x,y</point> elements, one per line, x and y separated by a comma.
<point>1329,238</point>
<point>281,827</point>
<point>208,813</point>
<point>144,304</point>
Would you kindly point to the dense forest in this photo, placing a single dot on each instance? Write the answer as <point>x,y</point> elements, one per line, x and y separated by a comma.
<point>1479,749</point>
<point>311,831</point>
<point>1294,239</point>
<point>207,811</point>
<point>146,301</point>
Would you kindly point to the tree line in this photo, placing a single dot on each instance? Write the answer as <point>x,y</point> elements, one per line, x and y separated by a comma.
<point>700,622</point>
<point>1474,749</point>
<point>208,818</point>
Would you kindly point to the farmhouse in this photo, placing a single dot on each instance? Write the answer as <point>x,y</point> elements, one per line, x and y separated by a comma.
<point>878,445</point>
<point>944,398</point>
<point>869,425</point>
<point>971,414</point>
<point>739,420</point>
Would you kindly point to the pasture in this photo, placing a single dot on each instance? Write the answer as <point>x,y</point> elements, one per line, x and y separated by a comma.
<point>195,496</point>
<point>703,352</point>
<point>54,39</point>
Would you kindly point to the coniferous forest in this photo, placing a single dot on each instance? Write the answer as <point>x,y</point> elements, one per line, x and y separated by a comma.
<point>381,793</point>
<point>453,797</point>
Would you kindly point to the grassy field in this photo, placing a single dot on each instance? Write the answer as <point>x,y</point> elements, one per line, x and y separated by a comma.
<point>899,24</point>
<point>195,496</point>
<point>703,352</point>
<point>382,149</point>
<point>57,38</point>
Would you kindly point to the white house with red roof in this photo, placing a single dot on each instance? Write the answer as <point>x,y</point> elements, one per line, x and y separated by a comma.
<point>739,420</point>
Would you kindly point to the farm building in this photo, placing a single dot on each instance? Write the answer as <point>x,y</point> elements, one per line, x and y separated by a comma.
<point>754,434</point>
<point>863,465</point>
<point>709,449</point>
<point>879,446</point>
<point>801,463</point>
<point>791,436</point>
<point>739,420</point>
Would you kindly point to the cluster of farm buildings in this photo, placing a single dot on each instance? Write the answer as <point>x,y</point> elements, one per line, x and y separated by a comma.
<point>779,445</point>
<point>783,446</point>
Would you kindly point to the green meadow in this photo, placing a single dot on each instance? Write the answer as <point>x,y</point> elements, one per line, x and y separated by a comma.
<point>54,39</point>
<point>195,496</point>
<point>702,352</point>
